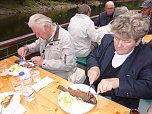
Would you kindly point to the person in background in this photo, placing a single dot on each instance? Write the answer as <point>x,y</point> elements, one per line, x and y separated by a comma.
<point>107,28</point>
<point>54,44</point>
<point>83,31</point>
<point>146,11</point>
<point>106,16</point>
<point>121,67</point>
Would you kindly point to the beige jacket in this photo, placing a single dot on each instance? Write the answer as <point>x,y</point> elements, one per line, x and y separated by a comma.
<point>58,53</point>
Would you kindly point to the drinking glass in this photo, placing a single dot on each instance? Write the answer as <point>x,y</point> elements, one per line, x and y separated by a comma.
<point>4,70</point>
<point>17,84</point>
<point>35,73</point>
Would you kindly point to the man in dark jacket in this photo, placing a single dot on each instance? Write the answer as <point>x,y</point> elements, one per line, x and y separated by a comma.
<point>146,11</point>
<point>121,67</point>
<point>105,17</point>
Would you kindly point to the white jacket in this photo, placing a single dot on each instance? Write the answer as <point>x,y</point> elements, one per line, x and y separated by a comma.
<point>101,31</point>
<point>82,30</point>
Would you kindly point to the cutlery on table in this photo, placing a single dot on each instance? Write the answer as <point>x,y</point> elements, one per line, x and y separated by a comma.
<point>89,89</point>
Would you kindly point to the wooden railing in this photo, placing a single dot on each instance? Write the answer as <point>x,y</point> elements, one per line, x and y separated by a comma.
<point>9,47</point>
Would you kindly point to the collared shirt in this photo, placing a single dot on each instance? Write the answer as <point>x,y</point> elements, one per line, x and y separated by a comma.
<point>51,38</point>
<point>119,59</point>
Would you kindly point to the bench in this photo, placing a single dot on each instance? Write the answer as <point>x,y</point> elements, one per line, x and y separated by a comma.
<point>144,105</point>
<point>81,60</point>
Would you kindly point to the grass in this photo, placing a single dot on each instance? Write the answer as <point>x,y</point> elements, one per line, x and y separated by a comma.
<point>29,4</point>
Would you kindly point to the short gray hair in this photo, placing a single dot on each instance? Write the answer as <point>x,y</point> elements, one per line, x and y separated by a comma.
<point>130,25</point>
<point>40,20</point>
<point>84,9</point>
<point>119,11</point>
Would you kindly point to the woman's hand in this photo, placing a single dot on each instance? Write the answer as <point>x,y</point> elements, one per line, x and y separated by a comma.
<point>107,85</point>
<point>93,74</point>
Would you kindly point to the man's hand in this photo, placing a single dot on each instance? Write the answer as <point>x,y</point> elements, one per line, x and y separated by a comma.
<point>107,85</point>
<point>93,74</point>
<point>23,51</point>
<point>38,60</point>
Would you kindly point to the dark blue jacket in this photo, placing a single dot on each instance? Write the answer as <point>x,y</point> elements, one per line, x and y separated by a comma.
<point>103,19</point>
<point>135,75</point>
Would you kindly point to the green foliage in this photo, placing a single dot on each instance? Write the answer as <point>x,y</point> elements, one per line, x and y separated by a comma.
<point>28,4</point>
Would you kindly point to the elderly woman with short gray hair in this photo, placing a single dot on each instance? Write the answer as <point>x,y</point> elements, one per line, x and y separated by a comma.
<point>121,67</point>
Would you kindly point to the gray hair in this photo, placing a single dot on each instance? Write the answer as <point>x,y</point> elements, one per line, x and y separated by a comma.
<point>130,25</point>
<point>119,11</point>
<point>84,9</point>
<point>40,20</point>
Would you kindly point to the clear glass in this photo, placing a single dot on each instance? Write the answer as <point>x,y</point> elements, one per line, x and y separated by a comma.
<point>35,73</point>
<point>28,93</point>
<point>17,84</point>
<point>4,70</point>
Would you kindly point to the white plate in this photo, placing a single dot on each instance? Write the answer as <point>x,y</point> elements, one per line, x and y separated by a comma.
<point>18,69</point>
<point>14,103</point>
<point>78,106</point>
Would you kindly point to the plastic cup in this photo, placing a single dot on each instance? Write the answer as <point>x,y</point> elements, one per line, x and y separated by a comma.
<point>35,73</point>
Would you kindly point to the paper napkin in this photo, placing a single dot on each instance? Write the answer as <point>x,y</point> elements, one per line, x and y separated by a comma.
<point>20,110</point>
<point>42,83</point>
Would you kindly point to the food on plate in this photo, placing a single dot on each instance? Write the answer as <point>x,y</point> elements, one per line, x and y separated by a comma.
<point>85,96</point>
<point>15,69</point>
<point>67,99</point>
<point>26,64</point>
<point>5,102</point>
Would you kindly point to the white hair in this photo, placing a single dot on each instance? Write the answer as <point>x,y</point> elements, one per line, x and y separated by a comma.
<point>40,20</point>
<point>119,11</point>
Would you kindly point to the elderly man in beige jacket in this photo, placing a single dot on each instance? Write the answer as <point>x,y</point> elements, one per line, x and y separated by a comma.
<point>54,44</point>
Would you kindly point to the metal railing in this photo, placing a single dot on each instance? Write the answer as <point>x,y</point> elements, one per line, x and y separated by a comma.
<point>9,47</point>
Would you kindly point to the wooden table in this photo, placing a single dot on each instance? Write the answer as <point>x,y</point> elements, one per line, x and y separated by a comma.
<point>147,38</point>
<point>46,100</point>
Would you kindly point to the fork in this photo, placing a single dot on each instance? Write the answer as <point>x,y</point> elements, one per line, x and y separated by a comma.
<point>89,89</point>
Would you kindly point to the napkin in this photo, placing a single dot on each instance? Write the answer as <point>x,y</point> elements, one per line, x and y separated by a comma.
<point>20,110</point>
<point>42,83</point>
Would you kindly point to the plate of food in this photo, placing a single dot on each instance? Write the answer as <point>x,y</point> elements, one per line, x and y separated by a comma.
<point>9,101</point>
<point>76,99</point>
<point>15,69</point>
<point>25,63</point>
<point>28,64</point>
